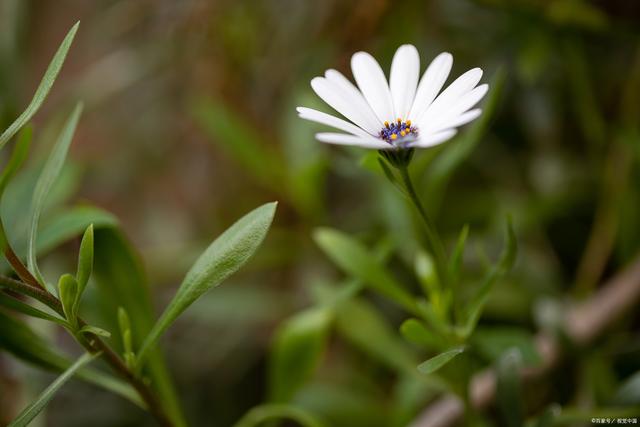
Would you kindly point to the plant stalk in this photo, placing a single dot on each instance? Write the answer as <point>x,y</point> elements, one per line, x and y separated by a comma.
<point>94,345</point>
<point>433,238</point>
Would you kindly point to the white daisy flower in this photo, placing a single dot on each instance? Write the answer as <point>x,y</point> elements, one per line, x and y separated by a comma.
<point>401,113</point>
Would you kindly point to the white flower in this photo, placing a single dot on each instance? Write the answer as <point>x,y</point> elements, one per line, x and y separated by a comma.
<point>399,114</point>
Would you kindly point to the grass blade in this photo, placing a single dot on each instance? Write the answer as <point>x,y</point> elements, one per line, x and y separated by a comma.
<point>31,411</point>
<point>50,172</point>
<point>43,89</point>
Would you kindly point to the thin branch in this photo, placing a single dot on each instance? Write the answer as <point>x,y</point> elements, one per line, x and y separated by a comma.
<point>582,324</point>
<point>94,344</point>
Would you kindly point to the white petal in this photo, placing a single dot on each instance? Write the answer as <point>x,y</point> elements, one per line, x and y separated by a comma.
<point>452,94</point>
<point>434,138</point>
<point>342,102</point>
<point>464,103</point>
<point>403,81</point>
<point>454,122</point>
<point>430,84</point>
<point>357,141</point>
<point>373,85</point>
<point>329,120</point>
<point>355,96</point>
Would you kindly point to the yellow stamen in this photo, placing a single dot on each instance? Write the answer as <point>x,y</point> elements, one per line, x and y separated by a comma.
<point>408,122</point>
<point>386,124</point>
<point>403,133</point>
<point>394,136</point>
<point>399,120</point>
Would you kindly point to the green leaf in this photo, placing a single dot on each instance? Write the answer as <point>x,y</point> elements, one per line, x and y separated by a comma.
<point>547,418</point>
<point>68,293</point>
<point>262,414</point>
<point>361,324</point>
<point>18,339</point>
<point>415,331</point>
<point>69,223</point>
<point>24,308</point>
<point>509,388</point>
<point>85,261</point>
<point>18,156</point>
<point>121,282</point>
<point>458,252</point>
<point>432,365</point>
<point>50,172</point>
<point>629,391</point>
<point>31,411</point>
<point>473,309</point>
<point>88,329</point>
<point>297,348</point>
<point>222,258</point>
<point>43,89</point>
<point>354,259</point>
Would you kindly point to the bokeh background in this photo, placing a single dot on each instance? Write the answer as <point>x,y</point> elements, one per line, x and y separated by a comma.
<point>190,122</point>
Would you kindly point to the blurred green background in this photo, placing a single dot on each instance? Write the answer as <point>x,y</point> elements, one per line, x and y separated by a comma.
<point>190,122</point>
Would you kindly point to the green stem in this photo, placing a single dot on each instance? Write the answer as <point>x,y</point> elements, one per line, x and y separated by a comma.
<point>433,238</point>
<point>94,345</point>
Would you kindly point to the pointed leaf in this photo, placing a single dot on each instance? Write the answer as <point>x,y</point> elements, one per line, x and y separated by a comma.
<point>24,308</point>
<point>31,411</point>
<point>43,89</point>
<point>221,259</point>
<point>18,339</point>
<point>432,365</point>
<point>85,261</point>
<point>50,172</point>
<point>18,156</point>
<point>298,346</point>
<point>415,331</point>
<point>68,292</point>
<point>354,259</point>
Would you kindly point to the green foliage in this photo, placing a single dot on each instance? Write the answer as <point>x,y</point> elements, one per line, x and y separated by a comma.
<point>85,262</point>
<point>31,411</point>
<point>298,347</point>
<point>68,294</point>
<point>43,89</point>
<point>49,174</point>
<point>352,257</point>
<point>436,362</point>
<point>221,259</point>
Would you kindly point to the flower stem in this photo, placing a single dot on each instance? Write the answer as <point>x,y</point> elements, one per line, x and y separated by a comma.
<point>433,238</point>
<point>94,345</point>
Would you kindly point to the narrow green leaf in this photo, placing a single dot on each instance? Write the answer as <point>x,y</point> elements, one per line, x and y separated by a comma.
<point>43,89</point>
<point>458,252</point>
<point>18,156</point>
<point>297,348</point>
<point>509,388</point>
<point>260,415</point>
<point>50,172</point>
<point>88,329</point>
<point>474,307</point>
<point>85,261</point>
<point>69,223</point>
<point>354,259</point>
<point>432,365</point>
<point>121,281</point>
<point>31,411</point>
<point>361,324</point>
<point>68,292</point>
<point>24,308</point>
<point>221,259</point>
<point>18,339</point>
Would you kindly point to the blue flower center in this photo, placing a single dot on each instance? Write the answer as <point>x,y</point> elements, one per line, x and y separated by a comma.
<point>399,132</point>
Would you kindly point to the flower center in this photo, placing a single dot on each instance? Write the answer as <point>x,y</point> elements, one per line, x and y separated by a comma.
<point>398,132</point>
